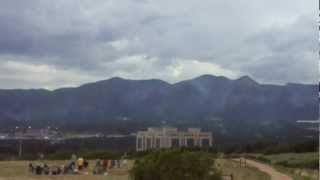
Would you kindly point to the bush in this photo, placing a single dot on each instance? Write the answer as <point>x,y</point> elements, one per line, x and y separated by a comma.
<point>175,165</point>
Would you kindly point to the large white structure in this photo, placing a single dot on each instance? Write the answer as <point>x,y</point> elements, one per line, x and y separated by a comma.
<point>158,138</point>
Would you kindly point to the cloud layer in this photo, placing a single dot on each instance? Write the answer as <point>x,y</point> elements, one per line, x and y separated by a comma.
<point>49,44</point>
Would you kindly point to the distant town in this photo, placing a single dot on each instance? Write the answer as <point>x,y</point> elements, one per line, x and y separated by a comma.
<point>50,133</point>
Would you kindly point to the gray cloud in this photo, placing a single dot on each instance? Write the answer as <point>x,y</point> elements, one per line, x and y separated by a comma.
<point>90,40</point>
<point>288,54</point>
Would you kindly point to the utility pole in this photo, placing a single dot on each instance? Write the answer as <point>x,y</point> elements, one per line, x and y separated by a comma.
<point>19,141</point>
<point>20,146</point>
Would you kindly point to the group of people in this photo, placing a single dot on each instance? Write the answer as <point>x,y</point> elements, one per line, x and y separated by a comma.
<point>76,166</point>
<point>73,167</point>
<point>103,166</point>
<point>44,169</point>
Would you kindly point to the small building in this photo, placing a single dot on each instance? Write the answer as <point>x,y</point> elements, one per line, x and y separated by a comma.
<point>158,138</point>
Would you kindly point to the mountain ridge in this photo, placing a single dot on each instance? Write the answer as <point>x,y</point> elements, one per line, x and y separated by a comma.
<point>238,104</point>
<point>244,78</point>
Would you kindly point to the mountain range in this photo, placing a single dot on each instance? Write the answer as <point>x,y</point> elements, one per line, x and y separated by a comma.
<point>212,101</point>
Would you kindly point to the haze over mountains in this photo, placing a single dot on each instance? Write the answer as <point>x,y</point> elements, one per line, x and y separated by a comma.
<point>216,101</point>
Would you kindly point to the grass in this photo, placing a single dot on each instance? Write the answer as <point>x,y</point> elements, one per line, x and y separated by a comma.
<point>17,170</point>
<point>301,160</point>
<point>228,166</point>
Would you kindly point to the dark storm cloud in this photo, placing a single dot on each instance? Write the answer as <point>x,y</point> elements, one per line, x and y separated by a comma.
<point>155,39</point>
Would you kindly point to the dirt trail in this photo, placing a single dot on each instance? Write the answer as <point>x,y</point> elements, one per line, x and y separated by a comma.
<point>275,175</point>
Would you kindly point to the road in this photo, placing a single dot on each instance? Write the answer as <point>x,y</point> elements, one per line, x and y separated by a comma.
<point>274,174</point>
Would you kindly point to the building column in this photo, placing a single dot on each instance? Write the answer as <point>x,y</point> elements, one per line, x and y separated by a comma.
<point>164,142</point>
<point>185,142</point>
<point>152,142</point>
<point>181,142</point>
<point>143,143</point>
<point>210,141</point>
<point>147,140</point>
<point>160,144</point>
<point>195,141</point>
<point>137,143</point>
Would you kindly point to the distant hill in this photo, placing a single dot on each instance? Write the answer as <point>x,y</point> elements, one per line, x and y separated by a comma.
<point>224,105</point>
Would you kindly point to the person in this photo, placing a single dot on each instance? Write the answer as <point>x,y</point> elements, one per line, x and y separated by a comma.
<point>65,170</point>
<point>98,169</point>
<point>80,162</point>
<point>124,163</point>
<point>116,164</point>
<point>112,163</point>
<point>31,168</point>
<point>38,170</point>
<point>109,164</point>
<point>46,169</point>
<point>105,164</point>
<point>69,168</point>
<point>56,170</point>
<point>59,171</point>
<point>85,164</point>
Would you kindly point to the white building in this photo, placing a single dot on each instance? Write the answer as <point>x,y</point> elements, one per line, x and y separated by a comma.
<point>157,138</point>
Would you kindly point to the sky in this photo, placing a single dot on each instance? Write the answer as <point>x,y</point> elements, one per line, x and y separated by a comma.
<point>51,44</point>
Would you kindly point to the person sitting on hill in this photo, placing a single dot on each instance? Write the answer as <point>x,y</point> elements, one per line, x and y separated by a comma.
<point>80,162</point>
<point>105,164</point>
<point>69,168</point>
<point>85,164</point>
<point>46,169</point>
<point>38,170</point>
<point>31,168</point>
<point>99,169</point>
<point>56,170</point>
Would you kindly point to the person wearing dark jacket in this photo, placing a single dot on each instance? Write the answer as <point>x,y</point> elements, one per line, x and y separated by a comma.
<point>38,170</point>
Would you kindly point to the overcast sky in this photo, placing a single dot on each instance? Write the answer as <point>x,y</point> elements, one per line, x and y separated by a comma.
<point>51,44</point>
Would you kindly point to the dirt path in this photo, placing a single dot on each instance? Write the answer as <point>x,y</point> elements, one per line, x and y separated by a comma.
<point>275,175</point>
